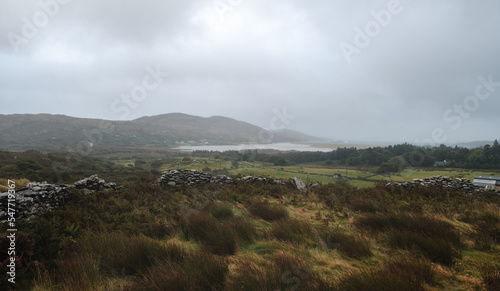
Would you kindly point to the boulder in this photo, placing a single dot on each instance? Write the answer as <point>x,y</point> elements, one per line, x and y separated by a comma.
<point>297,182</point>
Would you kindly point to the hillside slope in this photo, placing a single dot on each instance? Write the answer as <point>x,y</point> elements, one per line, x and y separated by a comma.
<point>60,132</point>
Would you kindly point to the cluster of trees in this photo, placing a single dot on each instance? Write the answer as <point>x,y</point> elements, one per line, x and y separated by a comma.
<point>392,158</point>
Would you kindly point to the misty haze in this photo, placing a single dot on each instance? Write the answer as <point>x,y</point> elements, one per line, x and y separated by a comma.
<point>249,145</point>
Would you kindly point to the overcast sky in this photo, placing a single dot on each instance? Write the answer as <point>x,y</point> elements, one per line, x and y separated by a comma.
<point>349,70</point>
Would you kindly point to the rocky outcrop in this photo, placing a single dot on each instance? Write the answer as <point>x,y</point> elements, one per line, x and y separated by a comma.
<point>458,184</point>
<point>36,198</point>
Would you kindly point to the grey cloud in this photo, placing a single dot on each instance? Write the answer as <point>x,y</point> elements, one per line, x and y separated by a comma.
<point>264,56</point>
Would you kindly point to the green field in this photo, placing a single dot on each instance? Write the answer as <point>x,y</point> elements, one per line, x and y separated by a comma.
<point>316,173</point>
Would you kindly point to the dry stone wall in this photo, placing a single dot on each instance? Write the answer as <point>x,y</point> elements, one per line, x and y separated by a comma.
<point>36,198</point>
<point>174,178</point>
<point>458,184</point>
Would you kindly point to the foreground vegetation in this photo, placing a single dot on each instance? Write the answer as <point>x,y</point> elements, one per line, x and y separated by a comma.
<point>262,237</point>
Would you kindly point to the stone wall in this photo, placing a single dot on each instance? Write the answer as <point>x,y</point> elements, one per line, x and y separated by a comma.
<point>36,198</point>
<point>192,177</point>
<point>39,197</point>
<point>458,184</point>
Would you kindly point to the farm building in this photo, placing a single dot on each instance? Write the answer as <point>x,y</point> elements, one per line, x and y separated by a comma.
<point>489,182</point>
<point>440,163</point>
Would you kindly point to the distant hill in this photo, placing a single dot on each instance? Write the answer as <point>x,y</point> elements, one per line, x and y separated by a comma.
<point>61,133</point>
<point>475,144</point>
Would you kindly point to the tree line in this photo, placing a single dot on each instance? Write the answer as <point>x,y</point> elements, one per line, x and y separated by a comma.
<point>391,158</point>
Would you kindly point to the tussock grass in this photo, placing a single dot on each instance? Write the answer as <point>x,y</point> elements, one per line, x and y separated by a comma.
<point>290,272</point>
<point>486,226</point>
<point>248,276</point>
<point>101,256</point>
<point>221,211</point>
<point>404,221</point>
<point>199,271</point>
<point>491,277</point>
<point>436,239</point>
<point>364,205</point>
<point>437,249</point>
<point>244,229</point>
<point>488,215</point>
<point>79,272</point>
<point>294,231</point>
<point>115,252</point>
<point>267,211</point>
<point>400,274</point>
<point>485,235</point>
<point>352,245</point>
<point>218,237</point>
<point>285,272</point>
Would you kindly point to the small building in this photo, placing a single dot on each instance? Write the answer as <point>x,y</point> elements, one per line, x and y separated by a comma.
<point>488,182</point>
<point>440,163</point>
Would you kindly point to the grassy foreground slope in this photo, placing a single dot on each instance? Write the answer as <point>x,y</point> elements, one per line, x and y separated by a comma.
<point>262,237</point>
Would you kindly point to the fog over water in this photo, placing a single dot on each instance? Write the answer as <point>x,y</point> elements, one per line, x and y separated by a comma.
<point>241,147</point>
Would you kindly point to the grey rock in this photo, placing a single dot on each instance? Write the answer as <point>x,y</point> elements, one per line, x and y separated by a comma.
<point>297,182</point>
